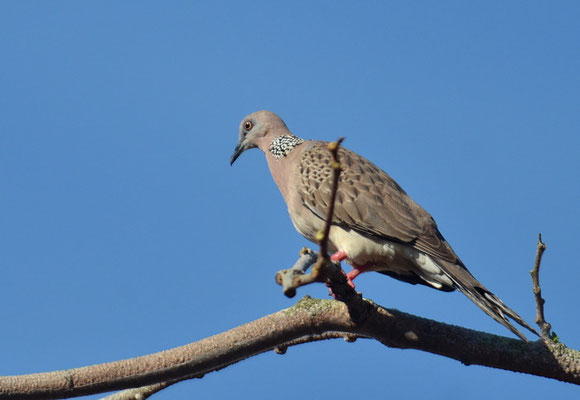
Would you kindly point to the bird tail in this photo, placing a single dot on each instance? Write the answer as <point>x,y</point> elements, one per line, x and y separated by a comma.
<point>484,299</point>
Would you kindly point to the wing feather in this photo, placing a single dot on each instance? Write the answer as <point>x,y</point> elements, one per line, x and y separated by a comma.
<point>369,201</point>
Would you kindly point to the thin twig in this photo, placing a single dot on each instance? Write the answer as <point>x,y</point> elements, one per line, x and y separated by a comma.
<point>322,236</point>
<point>545,327</point>
<point>348,337</point>
<point>330,272</point>
<point>140,393</point>
<point>319,271</point>
<point>292,278</point>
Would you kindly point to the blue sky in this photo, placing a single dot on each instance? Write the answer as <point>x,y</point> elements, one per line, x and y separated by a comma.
<point>124,231</point>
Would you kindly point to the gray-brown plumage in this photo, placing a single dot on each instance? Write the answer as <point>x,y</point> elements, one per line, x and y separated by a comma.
<point>376,226</point>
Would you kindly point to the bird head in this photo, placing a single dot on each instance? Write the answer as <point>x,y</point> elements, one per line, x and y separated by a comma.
<point>257,130</point>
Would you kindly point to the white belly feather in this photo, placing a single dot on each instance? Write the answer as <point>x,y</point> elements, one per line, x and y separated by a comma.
<point>376,255</point>
<point>384,255</point>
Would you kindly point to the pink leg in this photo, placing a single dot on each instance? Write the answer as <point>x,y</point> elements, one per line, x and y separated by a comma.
<point>338,256</point>
<point>356,271</point>
<point>348,281</point>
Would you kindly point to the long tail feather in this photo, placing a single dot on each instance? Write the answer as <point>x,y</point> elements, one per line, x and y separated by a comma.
<point>484,299</point>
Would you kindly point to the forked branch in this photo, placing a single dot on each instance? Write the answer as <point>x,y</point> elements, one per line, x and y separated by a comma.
<point>309,318</point>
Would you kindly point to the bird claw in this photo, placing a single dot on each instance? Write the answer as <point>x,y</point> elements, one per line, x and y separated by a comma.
<point>349,278</point>
<point>348,281</point>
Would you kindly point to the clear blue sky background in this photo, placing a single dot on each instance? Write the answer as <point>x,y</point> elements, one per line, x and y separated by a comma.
<point>124,231</point>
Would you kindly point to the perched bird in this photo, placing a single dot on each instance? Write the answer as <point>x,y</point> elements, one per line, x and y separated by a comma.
<point>376,226</point>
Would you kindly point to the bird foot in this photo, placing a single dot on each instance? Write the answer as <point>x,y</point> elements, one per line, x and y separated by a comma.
<point>338,257</point>
<point>348,281</point>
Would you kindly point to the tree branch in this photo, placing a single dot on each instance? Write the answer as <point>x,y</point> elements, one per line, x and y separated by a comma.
<point>545,327</point>
<point>322,236</point>
<point>309,316</point>
<point>308,321</point>
<point>140,393</point>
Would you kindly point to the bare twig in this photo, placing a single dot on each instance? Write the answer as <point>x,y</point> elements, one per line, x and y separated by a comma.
<point>292,278</point>
<point>545,327</point>
<point>348,337</point>
<point>331,273</point>
<point>322,236</point>
<point>140,393</point>
<point>322,268</point>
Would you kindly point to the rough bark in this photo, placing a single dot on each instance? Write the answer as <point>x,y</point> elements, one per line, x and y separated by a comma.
<point>305,321</point>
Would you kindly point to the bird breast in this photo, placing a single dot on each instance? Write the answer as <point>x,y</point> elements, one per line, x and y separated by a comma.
<point>361,249</point>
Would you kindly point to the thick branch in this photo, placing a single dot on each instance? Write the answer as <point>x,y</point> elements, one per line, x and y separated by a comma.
<point>309,316</point>
<point>309,320</point>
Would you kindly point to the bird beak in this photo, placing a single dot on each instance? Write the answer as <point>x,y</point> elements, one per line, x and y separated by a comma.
<point>237,151</point>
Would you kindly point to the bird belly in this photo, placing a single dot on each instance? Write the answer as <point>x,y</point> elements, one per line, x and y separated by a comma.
<point>372,254</point>
<point>383,255</point>
<point>362,251</point>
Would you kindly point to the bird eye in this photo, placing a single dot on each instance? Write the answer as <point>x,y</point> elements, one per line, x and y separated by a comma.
<point>248,125</point>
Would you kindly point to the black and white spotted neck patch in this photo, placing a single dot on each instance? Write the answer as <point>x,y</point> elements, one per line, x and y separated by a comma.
<point>282,145</point>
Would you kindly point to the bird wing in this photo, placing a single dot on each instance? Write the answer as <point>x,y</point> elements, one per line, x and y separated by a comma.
<point>368,200</point>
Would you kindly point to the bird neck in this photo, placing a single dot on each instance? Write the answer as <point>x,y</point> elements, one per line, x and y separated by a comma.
<point>282,145</point>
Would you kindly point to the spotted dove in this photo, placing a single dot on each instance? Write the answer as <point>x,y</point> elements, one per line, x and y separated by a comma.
<point>376,226</point>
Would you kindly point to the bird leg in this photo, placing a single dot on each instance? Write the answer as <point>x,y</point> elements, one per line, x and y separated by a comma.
<point>338,256</point>
<point>349,277</point>
<point>356,271</point>
<point>348,281</point>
